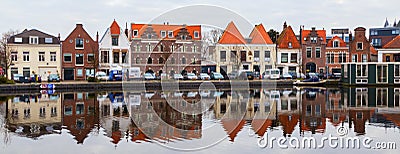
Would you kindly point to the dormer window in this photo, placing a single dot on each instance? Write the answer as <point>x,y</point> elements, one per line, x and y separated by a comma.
<point>170,34</point>
<point>114,41</point>
<point>33,40</point>
<point>313,39</point>
<point>163,34</point>
<point>135,33</point>
<point>290,45</point>
<point>148,36</point>
<point>17,40</point>
<point>335,44</point>
<point>79,43</point>
<point>48,40</point>
<point>196,34</point>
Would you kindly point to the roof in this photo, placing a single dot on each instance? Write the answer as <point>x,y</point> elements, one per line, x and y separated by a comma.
<point>33,32</point>
<point>372,50</point>
<point>336,38</point>
<point>395,43</point>
<point>259,35</point>
<point>231,35</point>
<point>76,30</point>
<point>157,28</point>
<point>260,126</point>
<point>232,127</point>
<point>115,29</point>
<point>320,33</point>
<point>287,36</point>
<point>289,124</point>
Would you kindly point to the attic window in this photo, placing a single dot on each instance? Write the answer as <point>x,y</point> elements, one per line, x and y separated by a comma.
<point>196,34</point>
<point>18,40</point>
<point>135,33</point>
<point>48,40</point>
<point>290,45</point>
<point>170,34</point>
<point>335,44</point>
<point>163,34</point>
<point>33,40</point>
<point>313,39</point>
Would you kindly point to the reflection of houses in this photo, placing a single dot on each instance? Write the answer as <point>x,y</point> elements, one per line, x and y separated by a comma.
<point>336,107</point>
<point>165,48</point>
<point>289,110</point>
<point>313,50</point>
<point>35,115</point>
<point>313,111</point>
<point>358,118</point>
<point>81,114</point>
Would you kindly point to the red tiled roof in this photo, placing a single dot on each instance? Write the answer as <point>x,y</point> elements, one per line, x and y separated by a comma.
<point>157,28</point>
<point>116,137</point>
<point>289,124</point>
<point>373,51</point>
<point>115,29</point>
<point>231,35</point>
<point>395,118</point>
<point>321,33</point>
<point>395,43</point>
<point>260,36</point>
<point>232,127</point>
<point>287,36</point>
<point>260,126</point>
<point>336,38</point>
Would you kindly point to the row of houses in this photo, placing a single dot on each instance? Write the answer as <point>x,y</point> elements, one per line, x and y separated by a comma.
<point>165,48</point>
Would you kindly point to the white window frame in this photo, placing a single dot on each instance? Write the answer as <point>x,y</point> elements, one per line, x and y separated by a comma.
<point>14,56</point>
<point>316,49</point>
<point>48,40</point>
<point>196,34</point>
<point>308,49</point>
<point>53,56</point>
<point>385,98</point>
<point>83,61</point>
<point>267,59</point>
<point>33,40</point>
<point>396,77</point>
<point>362,92</point>
<point>135,33</point>
<point>377,75</point>
<point>163,34</point>
<point>363,77</point>
<point>67,54</point>
<point>362,46</point>
<point>170,34</point>
<point>256,59</point>
<point>364,58</point>
<point>18,40</point>
<point>336,44</point>
<point>83,43</point>
<point>42,56</point>
<point>26,56</point>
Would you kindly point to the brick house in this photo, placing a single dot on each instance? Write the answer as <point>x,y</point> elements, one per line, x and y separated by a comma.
<point>360,48</point>
<point>164,48</point>
<point>313,50</point>
<point>79,55</point>
<point>337,52</point>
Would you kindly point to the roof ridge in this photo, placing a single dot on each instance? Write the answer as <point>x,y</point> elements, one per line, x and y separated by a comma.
<point>391,42</point>
<point>232,35</point>
<point>259,32</point>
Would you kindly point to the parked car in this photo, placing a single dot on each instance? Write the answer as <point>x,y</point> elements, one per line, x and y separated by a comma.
<point>232,75</point>
<point>257,75</point>
<point>216,76</point>
<point>249,75</point>
<point>204,76</point>
<point>101,76</point>
<point>178,77</point>
<point>53,77</point>
<point>149,76</point>
<point>286,76</point>
<point>16,77</point>
<point>191,76</point>
<point>293,74</point>
<point>35,78</point>
<point>271,74</point>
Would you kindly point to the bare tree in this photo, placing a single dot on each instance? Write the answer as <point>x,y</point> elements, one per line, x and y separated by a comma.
<point>210,38</point>
<point>5,60</point>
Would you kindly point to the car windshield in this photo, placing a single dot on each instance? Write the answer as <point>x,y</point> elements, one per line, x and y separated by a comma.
<point>148,75</point>
<point>203,74</point>
<point>275,72</point>
<point>53,75</point>
<point>191,74</point>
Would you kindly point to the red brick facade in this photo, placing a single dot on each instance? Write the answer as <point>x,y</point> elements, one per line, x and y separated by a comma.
<point>313,50</point>
<point>360,47</point>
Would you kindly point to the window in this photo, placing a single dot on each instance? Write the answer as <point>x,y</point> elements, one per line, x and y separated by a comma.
<point>354,58</point>
<point>318,52</point>
<point>292,69</point>
<point>308,52</point>
<point>149,60</point>
<point>104,57</point>
<point>89,71</point>
<point>376,42</point>
<point>290,45</point>
<point>116,57</point>
<point>345,70</point>
<point>135,33</point>
<point>382,97</point>
<point>233,56</point>
<point>124,59</point>
<point>335,44</point>
<point>256,56</point>
<point>79,43</point>
<point>14,56</point>
<point>161,60</point>
<point>79,59</point>
<point>172,60</point>
<point>80,109</point>
<point>313,39</point>
<point>79,72</point>
<point>268,67</point>
<point>170,34</point>
<point>41,56</point>
<point>381,73</point>
<point>223,56</point>
<point>395,31</point>
<point>293,58</point>
<point>397,70</point>
<point>374,32</point>
<point>14,70</point>
<point>196,34</point>
<point>149,47</point>
<point>137,60</point>
<point>67,57</point>
<point>163,34</point>
<point>17,40</point>
<point>194,48</point>
<point>362,70</point>
<point>361,99</point>
<point>48,40</point>
<point>26,56</point>
<point>330,58</point>
<point>364,58</point>
<point>26,71</point>
<point>90,57</point>
<point>359,45</point>
<point>342,57</point>
<point>33,40</point>
<point>53,56</point>
<point>114,41</point>
<point>183,60</point>
<point>137,47</point>
<point>267,56</point>
<point>284,58</point>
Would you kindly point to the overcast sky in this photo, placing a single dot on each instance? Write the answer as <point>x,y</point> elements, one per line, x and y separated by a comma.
<point>56,17</point>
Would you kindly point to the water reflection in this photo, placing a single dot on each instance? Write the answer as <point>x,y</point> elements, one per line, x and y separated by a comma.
<point>177,116</point>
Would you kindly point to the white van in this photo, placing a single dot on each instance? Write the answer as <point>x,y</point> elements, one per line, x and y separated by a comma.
<point>134,73</point>
<point>271,74</point>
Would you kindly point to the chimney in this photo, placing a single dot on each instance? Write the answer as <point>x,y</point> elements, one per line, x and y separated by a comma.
<point>312,28</point>
<point>284,25</point>
<point>350,37</point>
<point>59,37</point>
<point>79,25</point>
<point>126,29</point>
<point>97,36</point>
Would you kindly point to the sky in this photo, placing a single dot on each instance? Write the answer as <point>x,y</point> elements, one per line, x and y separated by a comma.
<point>54,17</point>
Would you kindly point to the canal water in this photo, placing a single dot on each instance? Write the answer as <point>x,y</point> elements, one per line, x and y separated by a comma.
<point>203,121</point>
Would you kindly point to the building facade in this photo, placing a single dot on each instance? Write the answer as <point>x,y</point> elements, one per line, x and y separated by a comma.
<point>360,48</point>
<point>255,53</point>
<point>114,49</point>
<point>381,36</point>
<point>288,51</point>
<point>34,52</point>
<point>390,52</point>
<point>79,52</point>
<point>337,53</point>
<point>164,48</point>
<point>313,51</point>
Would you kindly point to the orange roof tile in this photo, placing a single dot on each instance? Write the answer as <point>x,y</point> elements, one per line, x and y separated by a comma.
<point>231,35</point>
<point>260,36</point>
<point>115,29</point>
<point>157,28</point>
<point>289,124</point>
<point>395,43</point>
<point>232,127</point>
<point>336,38</point>
<point>260,126</point>
<point>321,33</point>
<point>372,50</point>
<point>287,36</point>
<point>395,118</point>
<point>116,137</point>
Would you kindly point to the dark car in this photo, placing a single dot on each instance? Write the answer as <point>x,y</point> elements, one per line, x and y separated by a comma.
<point>249,75</point>
<point>53,77</point>
<point>35,78</point>
<point>293,74</point>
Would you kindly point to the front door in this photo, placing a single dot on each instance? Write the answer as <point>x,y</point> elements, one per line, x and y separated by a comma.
<point>68,74</point>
